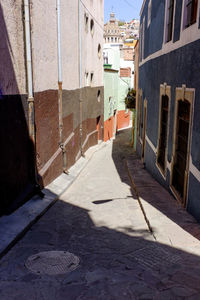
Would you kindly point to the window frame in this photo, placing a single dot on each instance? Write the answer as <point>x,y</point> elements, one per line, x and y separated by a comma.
<point>166,27</point>
<point>139,115</point>
<point>149,13</point>
<point>165,90</point>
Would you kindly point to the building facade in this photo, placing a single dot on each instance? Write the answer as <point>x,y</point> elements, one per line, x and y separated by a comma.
<point>168,138</point>
<point>117,82</point>
<point>51,91</point>
<point>112,32</point>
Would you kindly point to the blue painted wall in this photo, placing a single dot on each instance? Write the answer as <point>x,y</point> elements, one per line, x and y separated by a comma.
<point>181,66</point>
<point>154,33</point>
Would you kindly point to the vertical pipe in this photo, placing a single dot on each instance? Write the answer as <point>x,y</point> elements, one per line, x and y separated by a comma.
<point>31,105</point>
<point>80,76</point>
<point>31,119</point>
<point>60,99</point>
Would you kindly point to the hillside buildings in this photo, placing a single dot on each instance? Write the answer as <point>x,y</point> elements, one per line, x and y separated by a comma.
<point>118,55</point>
<point>114,32</point>
<point>168,91</point>
<point>51,91</point>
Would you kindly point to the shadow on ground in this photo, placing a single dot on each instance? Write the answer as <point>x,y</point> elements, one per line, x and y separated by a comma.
<point>113,265</point>
<point>149,189</point>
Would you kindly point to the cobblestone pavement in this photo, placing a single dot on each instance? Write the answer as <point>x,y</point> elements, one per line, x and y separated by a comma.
<point>99,219</point>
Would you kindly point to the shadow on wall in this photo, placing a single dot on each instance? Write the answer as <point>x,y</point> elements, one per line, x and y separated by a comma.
<point>113,264</point>
<point>17,163</point>
<point>162,200</point>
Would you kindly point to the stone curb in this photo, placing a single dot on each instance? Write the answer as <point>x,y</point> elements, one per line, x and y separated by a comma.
<point>14,226</point>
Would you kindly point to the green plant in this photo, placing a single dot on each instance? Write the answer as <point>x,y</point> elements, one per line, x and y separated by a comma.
<point>130,100</point>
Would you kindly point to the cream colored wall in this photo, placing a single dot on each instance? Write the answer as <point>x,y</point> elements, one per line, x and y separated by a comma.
<point>44,45</point>
<point>70,44</point>
<point>12,71</point>
<point>90,60</point>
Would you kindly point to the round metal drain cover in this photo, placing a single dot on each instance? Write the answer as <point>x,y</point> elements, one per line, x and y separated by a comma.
<point>52,262</point>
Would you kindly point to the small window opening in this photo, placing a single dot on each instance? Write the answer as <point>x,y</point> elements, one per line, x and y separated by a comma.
<point>91,78</point>
<point>86,17</point>
<point>86,78</point>
<point>99,51</point>
<point>99,96</point>
<point>92,26</point>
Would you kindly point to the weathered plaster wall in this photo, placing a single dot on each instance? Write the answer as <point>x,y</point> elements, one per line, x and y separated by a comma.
<point>16,150</point>
<point>92,61</point>
<point>44,45</point>
<point>12,70</point>
<point>70,44</point>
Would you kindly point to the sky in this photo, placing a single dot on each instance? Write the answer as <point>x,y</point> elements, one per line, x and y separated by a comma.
<point>124,9</point>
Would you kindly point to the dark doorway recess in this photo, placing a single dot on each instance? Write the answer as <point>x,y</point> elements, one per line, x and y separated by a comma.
<point>163,133</point>
<point>179,176</point>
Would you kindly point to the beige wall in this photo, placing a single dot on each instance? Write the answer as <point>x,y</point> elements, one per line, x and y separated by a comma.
<point>12,71</point>
<point>44,45</point>
<point>90,59</point>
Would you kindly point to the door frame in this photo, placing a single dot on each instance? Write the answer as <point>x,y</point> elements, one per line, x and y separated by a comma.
<point>165,90</point>
<point>144,129</point>
<point>182,94</point>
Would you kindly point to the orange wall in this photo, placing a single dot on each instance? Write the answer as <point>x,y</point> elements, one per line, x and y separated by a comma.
<point>108,129</point>
<point>123,119</point>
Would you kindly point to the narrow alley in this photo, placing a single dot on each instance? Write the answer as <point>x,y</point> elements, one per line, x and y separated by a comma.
<point>102,220</point>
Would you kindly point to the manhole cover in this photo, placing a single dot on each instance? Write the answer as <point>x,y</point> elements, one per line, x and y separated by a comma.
<point>52,262</point>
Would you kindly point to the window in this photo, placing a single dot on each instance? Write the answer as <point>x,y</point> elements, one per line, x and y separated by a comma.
<point>86,18</point>
<point>149,12</point>
<point>92,26</point>
<point>181,142</point>
<point>163,128</point>
<point>139,119</point>
<point>86,78</point>
<point>91,78</point>
<point>170,16</point>
<point>190,12</point>
<point>142,29</point>
<point>99,96</point>
<point>99,51</point>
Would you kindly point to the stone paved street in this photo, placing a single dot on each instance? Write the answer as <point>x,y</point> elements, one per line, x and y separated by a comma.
<point>99,219</point>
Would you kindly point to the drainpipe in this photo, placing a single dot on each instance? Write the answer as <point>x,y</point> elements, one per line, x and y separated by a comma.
<point>80,79</point>
<point>60,88</point>
<point>31,106</point>
<point>31,119</point>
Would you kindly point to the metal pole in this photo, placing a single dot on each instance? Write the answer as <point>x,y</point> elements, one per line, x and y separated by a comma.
<point>80,78</point>
<point>60,100</point>
<point>29,71</point>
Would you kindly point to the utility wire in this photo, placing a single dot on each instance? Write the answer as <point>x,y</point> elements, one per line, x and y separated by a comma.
<point>92,15</point>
